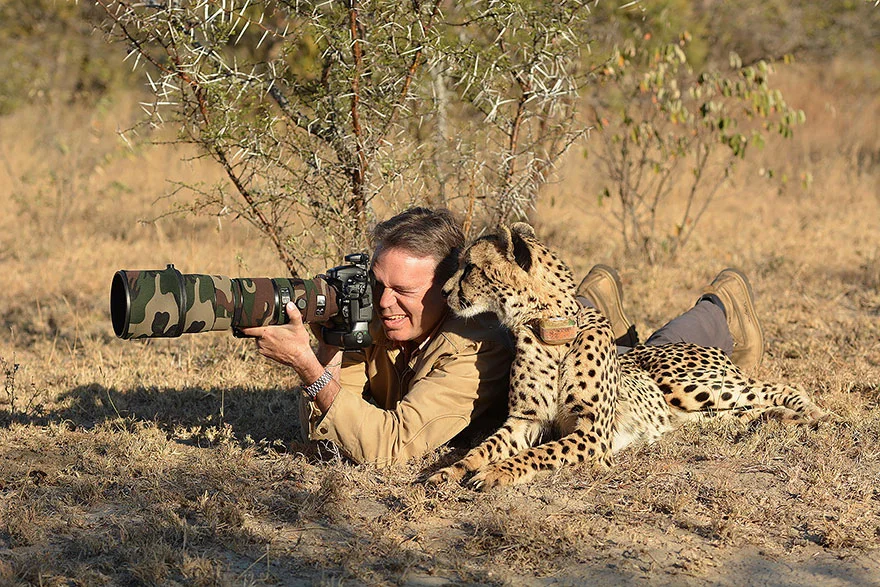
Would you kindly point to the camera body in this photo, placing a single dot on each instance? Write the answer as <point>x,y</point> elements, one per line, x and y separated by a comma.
<point>350,326</point>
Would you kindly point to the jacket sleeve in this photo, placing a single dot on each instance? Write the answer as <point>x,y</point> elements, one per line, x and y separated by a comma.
<point>458,388</point>
<point>352,381</point>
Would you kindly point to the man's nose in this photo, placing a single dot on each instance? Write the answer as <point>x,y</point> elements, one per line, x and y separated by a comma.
<point>386,298</point>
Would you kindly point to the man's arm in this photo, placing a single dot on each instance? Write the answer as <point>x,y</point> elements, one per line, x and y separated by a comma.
<point>462,384</point>
<point>460,387</point>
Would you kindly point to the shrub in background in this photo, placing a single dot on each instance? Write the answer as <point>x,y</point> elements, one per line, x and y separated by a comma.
<point>665,129</point>
<point>322,113</point>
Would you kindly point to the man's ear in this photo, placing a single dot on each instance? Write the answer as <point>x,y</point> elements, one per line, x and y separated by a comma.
<point>512,245</point>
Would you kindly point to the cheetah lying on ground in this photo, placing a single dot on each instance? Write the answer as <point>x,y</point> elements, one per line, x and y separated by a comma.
<point>596,401</point>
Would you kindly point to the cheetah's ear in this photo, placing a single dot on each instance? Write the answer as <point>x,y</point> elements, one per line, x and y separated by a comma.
<point>523,229</point>
<point>514,247</point>
<point>505,242</point>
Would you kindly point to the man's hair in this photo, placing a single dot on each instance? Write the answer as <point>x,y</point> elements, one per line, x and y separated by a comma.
<point>423,232</point>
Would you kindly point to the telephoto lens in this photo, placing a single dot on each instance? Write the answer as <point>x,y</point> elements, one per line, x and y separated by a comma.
<point>166,303</point>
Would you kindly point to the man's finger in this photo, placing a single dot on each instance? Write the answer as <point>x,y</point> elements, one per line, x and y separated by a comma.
<point>253,331</point>
<point>293,313</point>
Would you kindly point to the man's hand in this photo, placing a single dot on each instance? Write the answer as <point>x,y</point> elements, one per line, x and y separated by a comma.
<point>288,344</point>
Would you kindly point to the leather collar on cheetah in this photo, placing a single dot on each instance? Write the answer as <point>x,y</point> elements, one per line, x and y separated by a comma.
<point>554,330</point>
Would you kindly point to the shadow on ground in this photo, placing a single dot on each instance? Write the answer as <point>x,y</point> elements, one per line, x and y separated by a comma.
<point>270,414</point>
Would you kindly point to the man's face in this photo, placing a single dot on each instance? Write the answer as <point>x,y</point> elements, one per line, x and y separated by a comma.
<point>409,303</point>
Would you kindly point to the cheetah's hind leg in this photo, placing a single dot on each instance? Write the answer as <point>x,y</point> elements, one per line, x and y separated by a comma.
<point>701,379</point>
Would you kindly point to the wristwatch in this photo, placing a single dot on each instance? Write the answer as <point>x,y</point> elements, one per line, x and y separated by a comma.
<point>311,391</point>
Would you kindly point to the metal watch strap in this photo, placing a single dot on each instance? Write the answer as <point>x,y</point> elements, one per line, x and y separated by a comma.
<point>311,391</point>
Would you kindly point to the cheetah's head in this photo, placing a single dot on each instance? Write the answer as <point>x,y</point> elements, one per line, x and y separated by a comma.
<point>512,275</point>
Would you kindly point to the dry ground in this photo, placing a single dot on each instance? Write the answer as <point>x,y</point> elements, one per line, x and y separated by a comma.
<point>176,461</point>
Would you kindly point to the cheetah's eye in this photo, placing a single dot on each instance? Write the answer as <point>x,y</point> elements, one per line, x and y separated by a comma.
<point>466,271</point>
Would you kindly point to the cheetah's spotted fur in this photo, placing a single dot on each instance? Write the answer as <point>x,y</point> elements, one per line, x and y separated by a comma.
<point>597,402</point>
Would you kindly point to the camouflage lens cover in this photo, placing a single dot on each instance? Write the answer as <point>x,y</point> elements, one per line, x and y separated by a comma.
<point>167,303</point>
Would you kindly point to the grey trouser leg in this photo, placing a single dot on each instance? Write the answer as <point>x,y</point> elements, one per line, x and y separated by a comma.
<point>704,325</point>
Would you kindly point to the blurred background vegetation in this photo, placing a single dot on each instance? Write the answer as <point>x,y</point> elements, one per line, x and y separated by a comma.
<point>54,51</point>
<point>58,63</point>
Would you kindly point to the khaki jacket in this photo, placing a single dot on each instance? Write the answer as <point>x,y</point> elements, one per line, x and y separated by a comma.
<point>390,410</point>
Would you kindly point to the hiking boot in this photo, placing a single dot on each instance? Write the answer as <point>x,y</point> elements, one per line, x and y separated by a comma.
<point>732,287</point>
<point>603,290</point>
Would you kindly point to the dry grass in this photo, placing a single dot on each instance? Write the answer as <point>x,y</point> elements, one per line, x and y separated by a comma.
<point>177,461</point>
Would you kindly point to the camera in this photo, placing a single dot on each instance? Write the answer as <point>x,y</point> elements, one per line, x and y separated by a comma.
<point>165,303</point>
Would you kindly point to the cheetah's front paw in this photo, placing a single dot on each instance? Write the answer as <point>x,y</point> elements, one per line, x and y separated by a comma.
<point>451,474</point>
<point>788,416</point>
<point>816,415</point>
<point>491,477</point>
